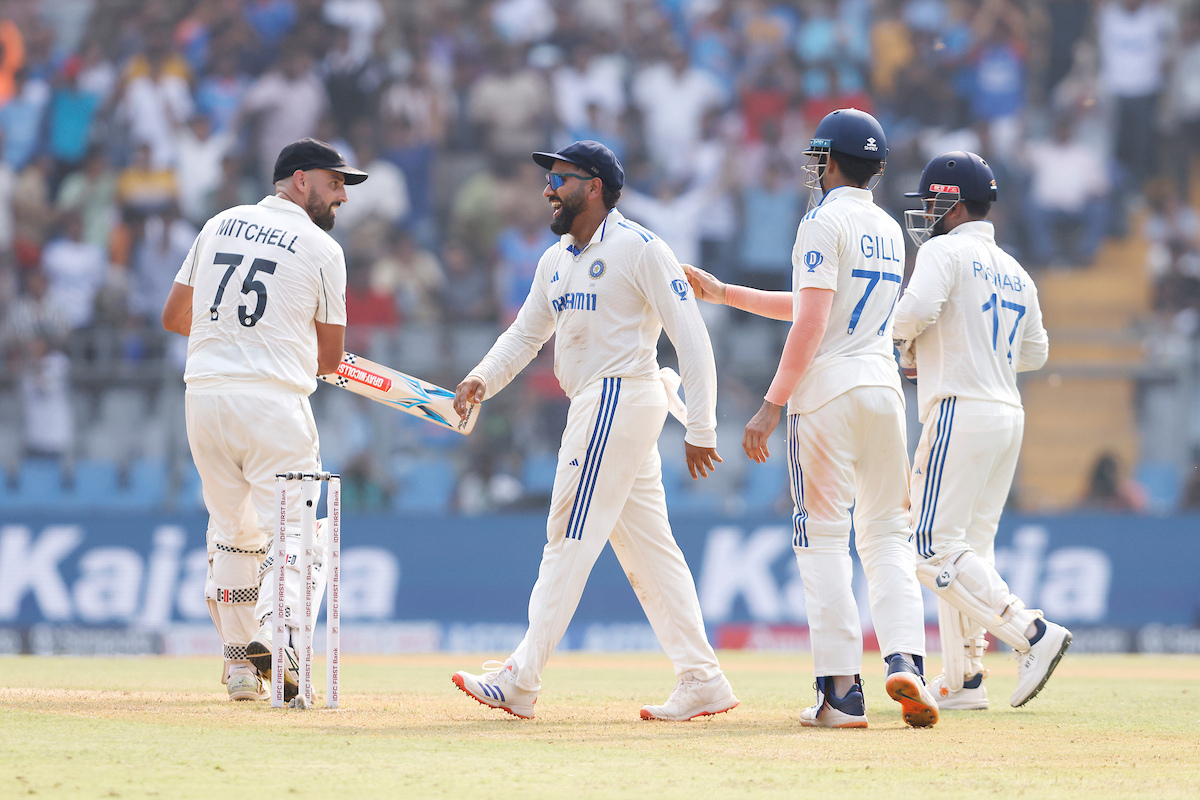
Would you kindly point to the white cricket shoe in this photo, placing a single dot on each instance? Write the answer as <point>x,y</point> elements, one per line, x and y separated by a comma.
<point>972,697</point>
<point>498,688</point>
<point>244,684</point>
<point>1036,664</point>
<point>831,711</point>
<point>692,698</point>
<point>261,652</point>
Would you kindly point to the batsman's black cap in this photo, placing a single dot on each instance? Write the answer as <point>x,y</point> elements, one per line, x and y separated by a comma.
<point>309,153</point>
<point>591,156</point>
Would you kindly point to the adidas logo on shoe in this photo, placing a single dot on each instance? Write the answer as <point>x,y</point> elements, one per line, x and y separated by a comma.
<point>498,688</point>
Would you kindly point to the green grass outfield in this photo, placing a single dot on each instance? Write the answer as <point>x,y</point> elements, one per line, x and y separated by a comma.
<point>1104,727</point>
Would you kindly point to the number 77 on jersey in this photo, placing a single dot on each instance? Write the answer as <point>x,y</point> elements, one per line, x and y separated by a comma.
<point>410,395</point>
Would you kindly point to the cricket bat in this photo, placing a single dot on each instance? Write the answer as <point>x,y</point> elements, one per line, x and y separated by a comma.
<point>410,395</point>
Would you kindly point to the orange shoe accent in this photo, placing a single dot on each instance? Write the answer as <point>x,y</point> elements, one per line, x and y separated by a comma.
<point>905,689</point>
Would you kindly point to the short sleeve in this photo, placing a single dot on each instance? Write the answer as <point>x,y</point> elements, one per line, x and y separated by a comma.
<point>331,301</point>
<point>187,271</point>
<point>815,254</point>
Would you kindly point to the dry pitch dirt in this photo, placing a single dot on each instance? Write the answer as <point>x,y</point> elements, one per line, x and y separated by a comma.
<point>1105,727</point>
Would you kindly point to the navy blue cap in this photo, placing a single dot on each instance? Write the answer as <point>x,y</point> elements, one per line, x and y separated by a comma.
<point>591,156</point>
<point>958,173</point>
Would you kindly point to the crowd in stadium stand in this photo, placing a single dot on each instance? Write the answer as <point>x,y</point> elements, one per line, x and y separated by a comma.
<point>125,124</point>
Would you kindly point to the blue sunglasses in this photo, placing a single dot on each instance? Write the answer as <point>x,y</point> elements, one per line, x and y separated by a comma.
<point>557,179</point>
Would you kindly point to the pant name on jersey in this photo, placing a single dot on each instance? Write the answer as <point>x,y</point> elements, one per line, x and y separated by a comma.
<point>253,232</point>
<point>579,301</point>
<point>1000,279</point>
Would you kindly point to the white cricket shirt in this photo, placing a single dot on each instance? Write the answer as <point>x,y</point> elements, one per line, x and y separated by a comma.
<point>850,245</point>
<point>973,314</point>
<point>261,276</point>
<point>608,303</point>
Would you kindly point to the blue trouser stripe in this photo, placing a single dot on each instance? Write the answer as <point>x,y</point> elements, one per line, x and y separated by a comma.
<point>595,452</point>
<point>933,476</point>
<point>800,517</point>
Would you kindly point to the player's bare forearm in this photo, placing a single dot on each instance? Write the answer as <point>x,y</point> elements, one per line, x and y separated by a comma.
<point>471,390</point>
<point>177,311</point>
<point>758,431</point>
<point>704,284</point>
<point>331,346</point>
<point>700,459</point>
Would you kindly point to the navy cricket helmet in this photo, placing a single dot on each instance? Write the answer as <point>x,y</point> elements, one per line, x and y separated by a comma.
<point>847,131</point>
<point>946,179</point>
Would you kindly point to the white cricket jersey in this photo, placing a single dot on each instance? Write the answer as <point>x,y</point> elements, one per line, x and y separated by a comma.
<point>973,313</point>
<point>261,276</point>
<point>850,245</point>
<point>608,303</point>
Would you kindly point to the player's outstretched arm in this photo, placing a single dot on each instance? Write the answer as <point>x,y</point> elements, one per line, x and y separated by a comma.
<point>471,390</point>
<point>705,284</point>
<point>700,459</point>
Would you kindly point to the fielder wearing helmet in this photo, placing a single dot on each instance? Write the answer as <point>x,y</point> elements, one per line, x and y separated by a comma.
<point>948,179</point>
<point>854,139</point>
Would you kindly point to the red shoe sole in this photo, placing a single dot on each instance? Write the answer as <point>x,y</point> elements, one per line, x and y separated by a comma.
<point>459,683</point>
<point>647,715</point>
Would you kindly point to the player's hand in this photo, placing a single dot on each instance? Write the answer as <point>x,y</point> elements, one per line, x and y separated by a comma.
<point>471,390</point>
<point>706,287</point>
<point>759,429</point>
<point>906,357</point>
<point>700,460</point>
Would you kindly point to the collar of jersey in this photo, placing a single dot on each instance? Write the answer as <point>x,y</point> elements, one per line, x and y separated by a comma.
<point>567,241</point>
<point>278,203</point>
<point>977,227</point>
<point>850,191</point>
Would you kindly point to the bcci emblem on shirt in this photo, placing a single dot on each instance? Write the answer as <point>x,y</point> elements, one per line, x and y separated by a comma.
<point>596,269</point>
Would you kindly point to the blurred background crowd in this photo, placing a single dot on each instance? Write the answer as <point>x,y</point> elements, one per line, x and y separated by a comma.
<point>125,124</point>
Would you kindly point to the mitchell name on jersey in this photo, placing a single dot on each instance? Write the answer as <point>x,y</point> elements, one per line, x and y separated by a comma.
<point>259,234</point>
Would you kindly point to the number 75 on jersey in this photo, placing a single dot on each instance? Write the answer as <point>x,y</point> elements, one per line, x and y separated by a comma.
<point>411,395</point>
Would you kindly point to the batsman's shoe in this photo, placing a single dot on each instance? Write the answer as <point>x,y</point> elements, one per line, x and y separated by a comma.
<point>907,687</point>
<point>261,653</point>
<point>972,697</point>
<point>498,688</point>
<point>831,711</point>
<point>1036,664</point>
<point>692,698</point>
<point>244,683</point>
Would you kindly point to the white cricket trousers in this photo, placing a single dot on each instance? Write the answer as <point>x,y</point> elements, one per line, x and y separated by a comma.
<point>851,452</point>
<point>608,488</point>
<point>239,441</point>
<point>962,472</point>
